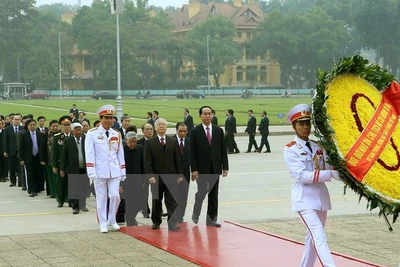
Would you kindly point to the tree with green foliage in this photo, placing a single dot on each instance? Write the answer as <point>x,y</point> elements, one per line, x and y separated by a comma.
<point>377,22</point>
<point>223,50</point>
<point>301,43</point>
<point>16,17</point>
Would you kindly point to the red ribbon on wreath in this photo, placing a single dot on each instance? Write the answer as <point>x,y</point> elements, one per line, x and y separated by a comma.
<point>376,134</point>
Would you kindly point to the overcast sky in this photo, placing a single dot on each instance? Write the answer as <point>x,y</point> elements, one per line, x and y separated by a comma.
<point>162,3</point>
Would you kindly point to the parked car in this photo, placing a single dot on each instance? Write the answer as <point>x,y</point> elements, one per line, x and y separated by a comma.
<point>189,94</point>
<point>104,95</point>
<point>37,94</point>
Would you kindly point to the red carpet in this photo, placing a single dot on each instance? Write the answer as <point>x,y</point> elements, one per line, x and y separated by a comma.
<point>230,246</point>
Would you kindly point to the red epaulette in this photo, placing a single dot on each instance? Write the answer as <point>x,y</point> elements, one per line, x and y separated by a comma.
<point>291,144</point>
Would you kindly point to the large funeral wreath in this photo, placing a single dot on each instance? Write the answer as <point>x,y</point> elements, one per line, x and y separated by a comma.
<point>356,116</point>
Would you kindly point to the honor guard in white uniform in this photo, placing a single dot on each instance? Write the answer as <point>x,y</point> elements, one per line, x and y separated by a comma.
<point>306,161</point>
<point>105,164</point>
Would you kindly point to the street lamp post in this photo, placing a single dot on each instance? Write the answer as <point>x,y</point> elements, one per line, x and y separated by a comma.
<point>208,65</point>
<point>117,8</point>
<point>59,62</point>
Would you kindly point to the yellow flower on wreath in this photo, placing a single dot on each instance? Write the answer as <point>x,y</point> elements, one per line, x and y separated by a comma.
<point>380,179</point>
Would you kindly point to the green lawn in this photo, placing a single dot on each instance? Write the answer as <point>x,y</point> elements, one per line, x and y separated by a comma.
<point>171,109</point>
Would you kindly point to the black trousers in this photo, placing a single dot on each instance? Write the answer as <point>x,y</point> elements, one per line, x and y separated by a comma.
<point>62,189</point>
<point>77,189</point>
<point>132,205</point>
<point>231,143</point>
<point>33,171</point>
<point>13,163</point>
<point>252,141</point>
<point>169,190</point>
<point>3,167</point>
<point>145,199</point>
<point>183,192</point>
<point>207,183</point>
<point>264,141</point>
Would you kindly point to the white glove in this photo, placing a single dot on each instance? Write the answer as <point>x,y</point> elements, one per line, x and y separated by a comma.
<point>123,177</point>
<point>93,177</point>
<point>335,175</point>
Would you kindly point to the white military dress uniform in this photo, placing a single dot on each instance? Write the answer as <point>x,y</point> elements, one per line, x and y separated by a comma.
<point>105,164</point>
<point>310,196</point>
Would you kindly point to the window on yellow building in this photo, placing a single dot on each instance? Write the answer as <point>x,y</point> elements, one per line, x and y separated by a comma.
<point>248,35</point>
<point>263,74</point>
<point>88,64</point>
<point>239,74</point>
<point>251,73</point>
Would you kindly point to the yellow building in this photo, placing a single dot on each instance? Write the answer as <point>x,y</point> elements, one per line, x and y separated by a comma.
<point>250,69</point>
<point>77,73</point>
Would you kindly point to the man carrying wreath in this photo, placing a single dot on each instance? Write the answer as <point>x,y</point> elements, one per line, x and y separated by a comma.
<point>310,197</point>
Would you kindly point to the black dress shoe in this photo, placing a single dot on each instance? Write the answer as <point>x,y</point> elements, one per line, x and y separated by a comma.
<point>237,152</point>
<point>35,194</point>
<point>32,194</point>
<point>174,228</point>
<point>214,224</point>
<point>84,209</point>
<point>247,151</point>
<point>230,152</point>
<point>164,214</point>
<point>155,226</point>
<point>60,205</point>
<point>12,185</point>
<point>256,150</point>
<point>195,218</point>
<point>23,188</point>
<point>75,211</point>
<point>267,151</point>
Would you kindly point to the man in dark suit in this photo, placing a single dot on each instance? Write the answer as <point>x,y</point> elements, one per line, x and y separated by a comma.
<point>155,118</point>
<point>264,131</point>
<point>214,119</point>
<point>10,147</point>
<point>72,164</point>
<point>188,120</point>
<point>42,130</point>
<point>82,118</point>
<point>149,118</point>
<point>132,187</point>
<point>230,131</point>
<point>147,130</point>
<point>3,160</point>
<point>74,110</point>
<point>41,120</point>
<point>183,187</point>
<point>251,131</point>
<point>163,165</point>
<point>209,160</point>
<point>29,157</point>
<point>125,123</point>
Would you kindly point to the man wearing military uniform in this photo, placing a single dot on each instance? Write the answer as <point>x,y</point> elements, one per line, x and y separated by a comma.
<point>105,164</point>
<point>56,153</point>
<point>310,197</point>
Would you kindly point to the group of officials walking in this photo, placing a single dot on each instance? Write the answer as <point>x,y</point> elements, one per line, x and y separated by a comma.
<point>64,155</point>
<point>165,165</point>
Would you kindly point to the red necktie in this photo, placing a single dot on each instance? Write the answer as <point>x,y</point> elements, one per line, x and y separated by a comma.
<point>181,146</point>
<point>208,135</point>
<point>162,141</point>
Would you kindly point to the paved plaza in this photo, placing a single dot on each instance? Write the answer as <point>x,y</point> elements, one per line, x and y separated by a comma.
<point>34,232</point>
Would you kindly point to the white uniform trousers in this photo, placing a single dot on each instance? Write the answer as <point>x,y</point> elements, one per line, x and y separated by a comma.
<point>315,243</point>
<point>101,186</point>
